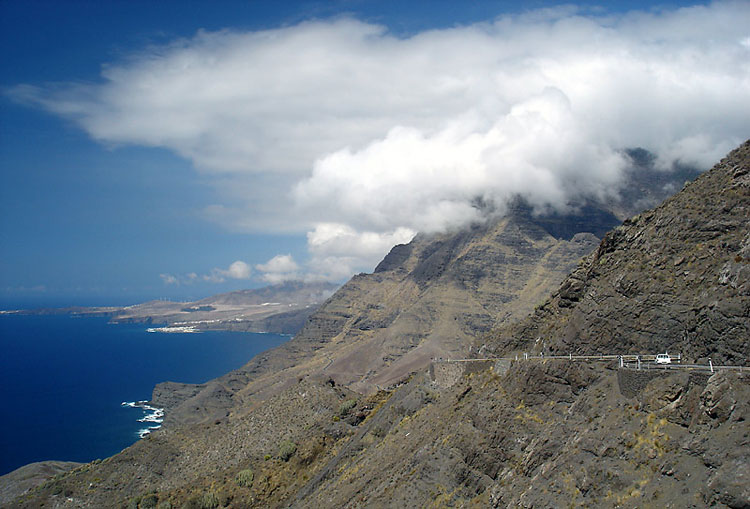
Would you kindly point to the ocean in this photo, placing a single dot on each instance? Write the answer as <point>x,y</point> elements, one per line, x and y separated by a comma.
<point>64,379</point>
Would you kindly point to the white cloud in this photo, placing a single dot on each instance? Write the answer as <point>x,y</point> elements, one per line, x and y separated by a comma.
<point>239,270</point>
<point>338,250</point>
<point>279,263</point>
<point>236,270</point>
<point>278,269</point>
<point>343,130</point>
<point>169,279</point>
<point>537,149</point>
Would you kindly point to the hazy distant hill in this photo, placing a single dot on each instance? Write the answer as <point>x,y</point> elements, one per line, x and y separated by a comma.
<point>281,308</point>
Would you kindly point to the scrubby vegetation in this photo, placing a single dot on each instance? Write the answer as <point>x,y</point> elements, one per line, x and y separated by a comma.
<point>287,450</point>
<point>347,406</point>
<point>245,478</point>
<point>149,501</point>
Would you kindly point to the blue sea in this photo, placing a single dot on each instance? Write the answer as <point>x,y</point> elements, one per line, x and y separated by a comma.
<point>63,380</point>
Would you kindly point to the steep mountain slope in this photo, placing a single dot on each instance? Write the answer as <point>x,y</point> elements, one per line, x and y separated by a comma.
<point>675,278</point>
<point>557,433</point>
<point>549,434</point>
<point>427,299</point>
<point>430,298</point>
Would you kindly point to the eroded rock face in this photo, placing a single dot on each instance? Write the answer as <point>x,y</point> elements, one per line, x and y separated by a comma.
<point>671,279</point>
<point>431,298</point>
<point>718,400</point>
<point>546,434</point>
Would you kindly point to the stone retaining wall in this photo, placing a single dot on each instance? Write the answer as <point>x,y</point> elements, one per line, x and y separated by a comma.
<point>632,381</point>
<point>446,373</point>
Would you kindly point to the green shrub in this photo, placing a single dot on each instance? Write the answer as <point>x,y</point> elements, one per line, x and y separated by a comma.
<point>287,450</point>
<point>347,406</point>
<point>267,457</point>
<point>149,501</point>
<point>209,500</point>
<point>245,478</point>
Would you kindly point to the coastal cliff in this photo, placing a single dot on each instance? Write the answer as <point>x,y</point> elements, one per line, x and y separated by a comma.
<point>310,424</point>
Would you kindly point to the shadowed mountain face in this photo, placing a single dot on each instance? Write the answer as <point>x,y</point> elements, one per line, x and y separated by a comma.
<point>521,434</point>
<point>432,297</point>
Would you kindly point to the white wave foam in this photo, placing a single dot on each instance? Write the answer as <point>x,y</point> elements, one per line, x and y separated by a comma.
<point>152,415</point>
<point>178,330</point>
<point>145,431</point>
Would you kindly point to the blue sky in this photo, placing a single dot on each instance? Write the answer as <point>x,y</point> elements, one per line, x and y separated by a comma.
<point>181,149</point>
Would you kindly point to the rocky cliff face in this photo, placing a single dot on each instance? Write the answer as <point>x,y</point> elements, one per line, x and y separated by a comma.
<point>549,434</point>
<point>433,297</point>
<point>675,278</point>
<point>559,433</point>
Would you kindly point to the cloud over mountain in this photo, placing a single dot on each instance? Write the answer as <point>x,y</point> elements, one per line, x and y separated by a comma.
<point>278,269</point>
<point>371,137</point>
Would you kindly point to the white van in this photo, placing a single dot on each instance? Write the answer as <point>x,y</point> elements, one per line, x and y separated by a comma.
<point>663,358</point>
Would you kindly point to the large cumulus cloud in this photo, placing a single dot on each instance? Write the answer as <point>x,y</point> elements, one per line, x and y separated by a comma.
<point>365,138</point>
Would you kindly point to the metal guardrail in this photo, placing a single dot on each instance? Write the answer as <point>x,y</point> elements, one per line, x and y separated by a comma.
<point>626,361</point>
<point>690,367</point>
